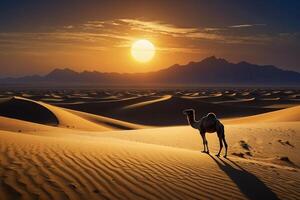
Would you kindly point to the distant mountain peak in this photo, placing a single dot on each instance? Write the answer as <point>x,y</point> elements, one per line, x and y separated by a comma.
<point>64,70</point>
<point>214,60</point>
<point>62,73</point>
<point>210,58</point>
<point>243,62</point>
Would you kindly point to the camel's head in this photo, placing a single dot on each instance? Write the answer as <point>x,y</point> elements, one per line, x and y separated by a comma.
<point>189,112</point>
<point>190,115</point>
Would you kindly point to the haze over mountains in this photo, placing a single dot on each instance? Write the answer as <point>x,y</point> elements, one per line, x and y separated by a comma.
<point>209,71</point>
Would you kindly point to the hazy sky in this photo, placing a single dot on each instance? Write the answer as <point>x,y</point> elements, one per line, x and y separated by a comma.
<point>38,36</point>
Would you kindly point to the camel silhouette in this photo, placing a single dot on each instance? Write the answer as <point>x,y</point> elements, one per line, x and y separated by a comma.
<point>210,124</point>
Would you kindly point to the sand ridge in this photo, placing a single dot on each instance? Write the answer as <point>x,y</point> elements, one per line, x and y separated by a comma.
<point>21,108</point>
<point>286,115</point>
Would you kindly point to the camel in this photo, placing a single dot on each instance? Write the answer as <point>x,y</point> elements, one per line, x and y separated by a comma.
<point>210,124</point>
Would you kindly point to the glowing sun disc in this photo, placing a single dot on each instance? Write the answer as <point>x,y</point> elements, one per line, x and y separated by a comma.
<point>142,50</point>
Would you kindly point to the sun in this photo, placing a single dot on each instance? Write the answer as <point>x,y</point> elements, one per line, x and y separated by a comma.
<point>142,50</point>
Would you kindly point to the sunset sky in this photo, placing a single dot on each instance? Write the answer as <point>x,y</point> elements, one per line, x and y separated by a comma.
<point>38,36</point>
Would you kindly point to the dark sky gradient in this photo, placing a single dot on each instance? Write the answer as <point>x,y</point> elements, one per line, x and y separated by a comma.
<point>280,15</point>
<point>279,20</point>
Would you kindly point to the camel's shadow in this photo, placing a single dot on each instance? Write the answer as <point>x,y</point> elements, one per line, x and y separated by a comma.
<point>250,185</point>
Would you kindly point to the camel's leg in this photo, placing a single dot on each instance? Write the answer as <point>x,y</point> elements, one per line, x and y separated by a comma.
<point>221,145</point>
<point>222,136</point>
<point>203,140</point>
<point>225,143</point>
<point>206,143</point>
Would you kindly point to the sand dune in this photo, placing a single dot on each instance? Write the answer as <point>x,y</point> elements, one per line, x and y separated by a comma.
<point>39,112</point>
<point>234,101</point>
<point>285,115</point>
<point>108,122</point>
<point>19,126</point>
<point>169,111</point>
<point>202,97</point>
<point>145,103</point>
<point>28,110</point>
<point>70,120</point>
<point>109,102</point>
<point>86,156</point>
<point>270,99</point>
<point>112,167</point>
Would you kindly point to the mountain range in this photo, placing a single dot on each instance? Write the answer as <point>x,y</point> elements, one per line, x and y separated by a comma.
<point>209,71</point>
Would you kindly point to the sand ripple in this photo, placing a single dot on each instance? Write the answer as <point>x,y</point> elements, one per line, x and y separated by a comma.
<point>34,167</point>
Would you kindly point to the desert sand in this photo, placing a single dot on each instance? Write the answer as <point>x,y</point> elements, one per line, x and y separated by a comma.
<point>50,152</point>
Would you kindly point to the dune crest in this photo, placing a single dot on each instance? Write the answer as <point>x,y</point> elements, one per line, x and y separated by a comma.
<point>285,115</point>
<point>43,113</point>
<point>145,103</point>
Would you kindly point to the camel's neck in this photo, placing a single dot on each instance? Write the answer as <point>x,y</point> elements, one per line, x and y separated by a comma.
<point>192,121</point>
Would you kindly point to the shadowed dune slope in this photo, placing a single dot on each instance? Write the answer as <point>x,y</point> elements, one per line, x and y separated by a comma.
<point>42,113</point>
<point>27,110</point>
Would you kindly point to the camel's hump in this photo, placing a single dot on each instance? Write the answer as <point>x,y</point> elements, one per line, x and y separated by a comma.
<point>211,116</point>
